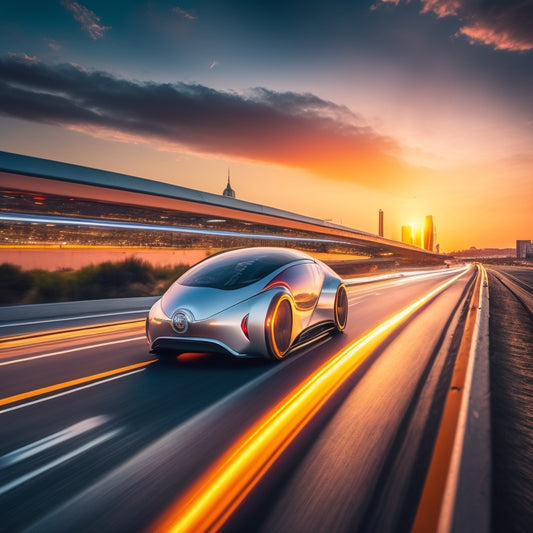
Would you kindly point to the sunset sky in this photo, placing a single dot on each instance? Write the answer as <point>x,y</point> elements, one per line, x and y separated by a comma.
<point>329,109</point>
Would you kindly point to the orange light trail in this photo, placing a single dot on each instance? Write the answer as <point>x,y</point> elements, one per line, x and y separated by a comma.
<point>72,383</point>
<point>25,340</point>
<point>216,495</point>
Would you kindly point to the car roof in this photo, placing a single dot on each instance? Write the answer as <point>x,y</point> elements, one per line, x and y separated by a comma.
<point>281,254</point>
<point>239,268</point>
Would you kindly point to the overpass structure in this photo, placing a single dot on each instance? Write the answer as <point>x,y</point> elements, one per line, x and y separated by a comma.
<point>44,201</point>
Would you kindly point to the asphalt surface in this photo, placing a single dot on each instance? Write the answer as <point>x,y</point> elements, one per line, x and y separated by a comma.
<point>511,366</point>
<point>94,436</point>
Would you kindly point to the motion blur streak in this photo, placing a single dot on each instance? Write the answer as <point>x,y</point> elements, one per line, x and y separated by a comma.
<point>72,383</point>
<point>98,223</point>
<point>70,350</point>
<point>78,451</point>
<point>216,495</point>
<point>52,440</point>
<point>62,335</point>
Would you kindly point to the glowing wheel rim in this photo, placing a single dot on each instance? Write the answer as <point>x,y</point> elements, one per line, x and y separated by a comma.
<point>279,327</point>
<point>341,308</point>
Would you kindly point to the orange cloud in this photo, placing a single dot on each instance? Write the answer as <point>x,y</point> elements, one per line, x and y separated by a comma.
<point>502,25</point>
<point>442,8</point>
<point>499,39</point>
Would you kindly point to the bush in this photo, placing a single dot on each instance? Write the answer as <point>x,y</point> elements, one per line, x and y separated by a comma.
<point>14,284</point>
<point>128,278</point>
<point>48,286</point>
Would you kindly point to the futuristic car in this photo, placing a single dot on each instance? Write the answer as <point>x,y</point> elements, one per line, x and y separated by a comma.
<point>252,302</point>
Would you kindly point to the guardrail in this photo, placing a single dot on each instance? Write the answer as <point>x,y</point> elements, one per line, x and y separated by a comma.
<point>457,492</point>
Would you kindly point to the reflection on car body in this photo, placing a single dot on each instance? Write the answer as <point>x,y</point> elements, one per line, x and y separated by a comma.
<point>253,302</point>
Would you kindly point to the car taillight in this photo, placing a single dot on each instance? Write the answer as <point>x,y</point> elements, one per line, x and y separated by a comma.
<point>244,326</point>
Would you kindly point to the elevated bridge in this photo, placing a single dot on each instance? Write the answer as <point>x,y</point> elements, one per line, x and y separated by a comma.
<point>48,202</point>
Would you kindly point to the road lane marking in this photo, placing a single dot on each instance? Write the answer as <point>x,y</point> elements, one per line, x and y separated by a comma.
<point>71,383</point>
<point>70,350</point>
<point>60,460</point>
<point>25,340</point>
<point>71,391</point>
<point>50,441</point>
<point>211,500</point>
<point>70,318</point>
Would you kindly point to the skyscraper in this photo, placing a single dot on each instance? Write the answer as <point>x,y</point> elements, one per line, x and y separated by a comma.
<point>407,234</point>
<point>380,223</point>
<point>417,236</point>
<point>429,233</point>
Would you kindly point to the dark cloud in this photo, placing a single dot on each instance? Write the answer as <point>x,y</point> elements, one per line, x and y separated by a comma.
<point>298,130</point>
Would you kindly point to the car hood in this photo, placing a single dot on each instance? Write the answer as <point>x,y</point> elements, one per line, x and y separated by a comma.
<point>202,302</point>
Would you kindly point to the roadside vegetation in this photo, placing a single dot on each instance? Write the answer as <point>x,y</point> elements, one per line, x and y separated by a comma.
<point>129,278</point>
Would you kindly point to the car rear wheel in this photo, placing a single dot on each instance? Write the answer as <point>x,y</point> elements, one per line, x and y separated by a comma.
<point>341,308</point>
<point>278,326</point>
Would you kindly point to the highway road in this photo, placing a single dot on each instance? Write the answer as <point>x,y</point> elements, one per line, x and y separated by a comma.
<point>95,435</point>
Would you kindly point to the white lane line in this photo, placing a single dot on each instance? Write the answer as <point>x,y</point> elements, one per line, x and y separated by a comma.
<point>39,446</point>
<point>77,389</point>
<point>70,318</point>
<point>78,348</point>
<point>60,460</point>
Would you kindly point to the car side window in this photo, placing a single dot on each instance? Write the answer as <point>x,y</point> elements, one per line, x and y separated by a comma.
<point>231,273</point>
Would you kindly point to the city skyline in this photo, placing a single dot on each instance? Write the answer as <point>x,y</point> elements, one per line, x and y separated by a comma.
<point>411,107</point>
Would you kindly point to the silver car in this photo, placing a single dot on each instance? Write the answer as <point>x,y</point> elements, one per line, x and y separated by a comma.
<point>253,302</point>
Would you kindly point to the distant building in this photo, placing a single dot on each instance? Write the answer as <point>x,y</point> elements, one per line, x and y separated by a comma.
<point>228,191</point>
<point>429,233</point>
<point>524,250</point>
<point>380,223</point>
<point>407,234</point>
<point>417,236</point>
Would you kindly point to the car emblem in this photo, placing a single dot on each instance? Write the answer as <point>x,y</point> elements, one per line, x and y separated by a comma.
<point>180,322</point>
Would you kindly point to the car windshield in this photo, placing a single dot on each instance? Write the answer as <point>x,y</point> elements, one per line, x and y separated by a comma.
<point>234,270</point>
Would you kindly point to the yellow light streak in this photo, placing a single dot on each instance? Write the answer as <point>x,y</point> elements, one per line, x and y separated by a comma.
<point>71,383</point>
<point>215,496</point>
